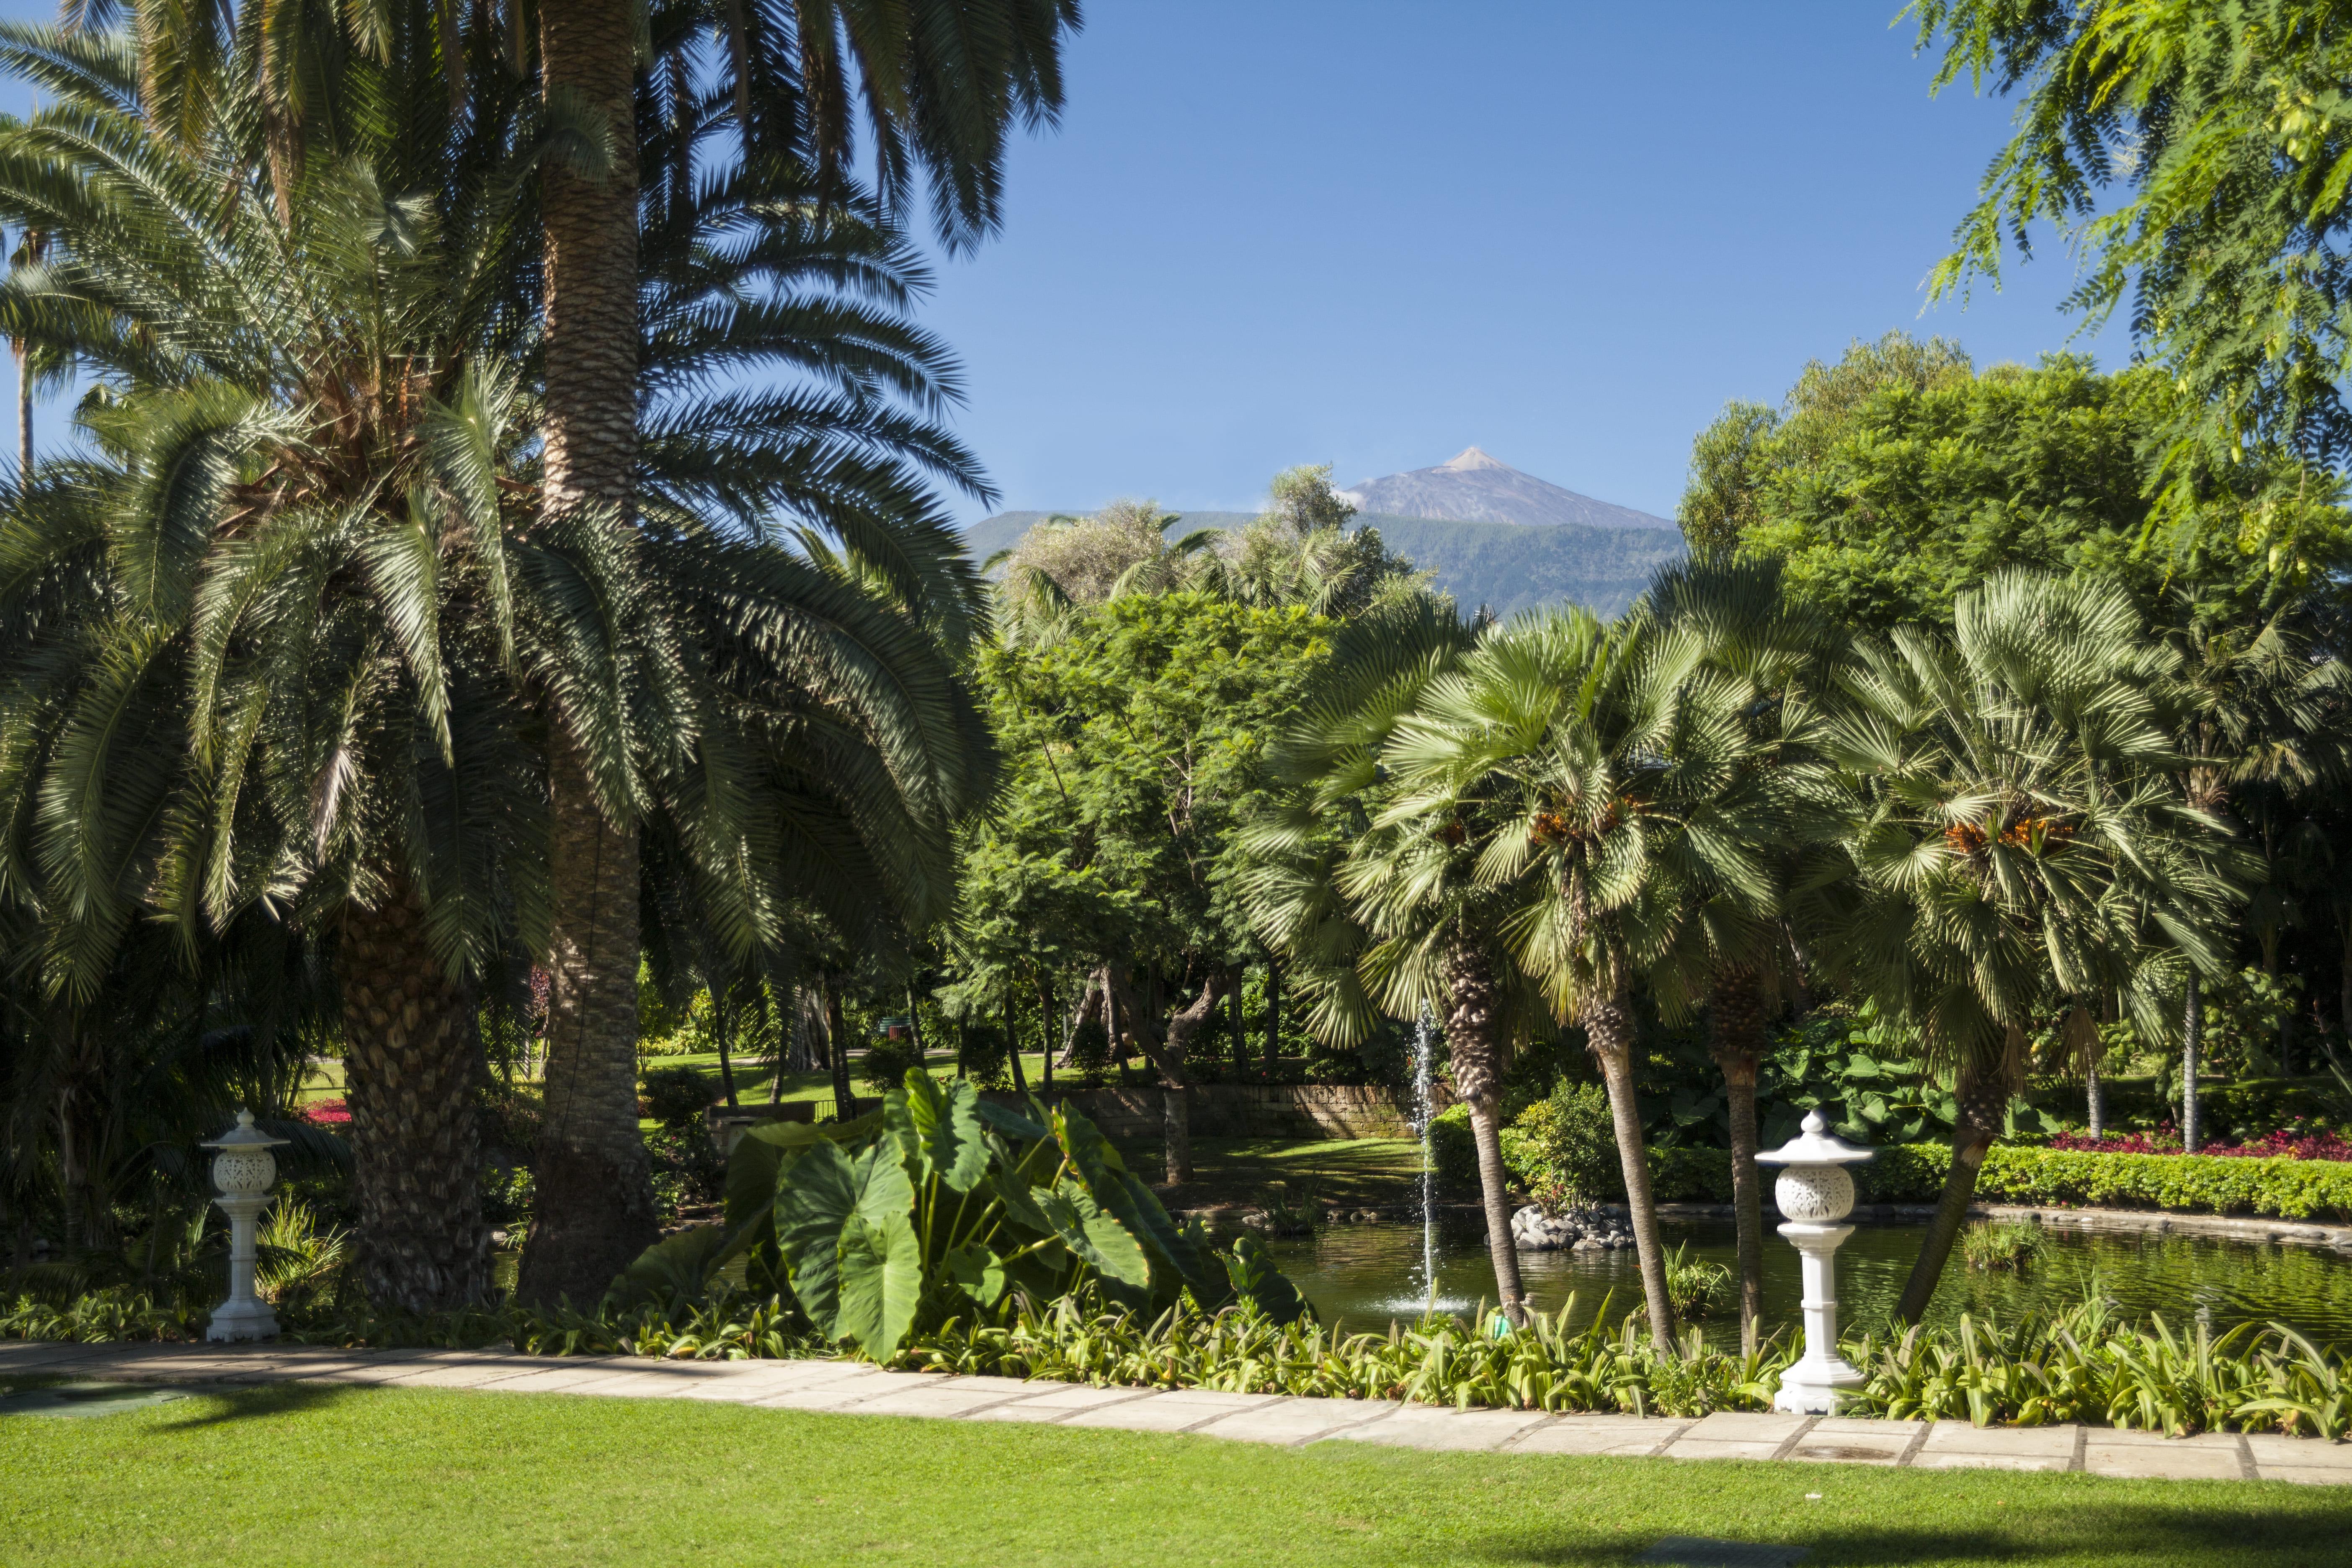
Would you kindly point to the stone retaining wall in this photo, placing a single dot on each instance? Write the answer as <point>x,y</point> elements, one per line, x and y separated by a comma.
<point>1248,1110</point>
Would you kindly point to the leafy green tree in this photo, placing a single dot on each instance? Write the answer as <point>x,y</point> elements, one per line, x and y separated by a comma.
<point>1897,479</point>
<point>2020,843</point>
<point>1299,551</point>
<point>2197,158</point>
<point>1134,747</point>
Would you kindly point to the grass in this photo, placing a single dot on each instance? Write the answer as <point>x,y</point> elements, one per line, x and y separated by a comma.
<point>301,1475</point>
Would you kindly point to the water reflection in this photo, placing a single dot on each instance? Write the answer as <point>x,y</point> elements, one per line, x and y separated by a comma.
<point>1368,1273</point>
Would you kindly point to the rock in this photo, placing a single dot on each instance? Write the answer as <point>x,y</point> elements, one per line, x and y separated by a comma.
<point>1368,1217</point>
<point>1571,1229</point>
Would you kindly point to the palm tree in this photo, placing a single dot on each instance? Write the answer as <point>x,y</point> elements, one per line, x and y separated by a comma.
<point>1780,654</point>
<point>313,561</point>
<point>1371,913</point>
<point>2019,841</point>
<point>1602,783</point>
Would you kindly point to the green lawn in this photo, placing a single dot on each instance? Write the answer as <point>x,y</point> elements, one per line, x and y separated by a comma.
<point>301,1475</point>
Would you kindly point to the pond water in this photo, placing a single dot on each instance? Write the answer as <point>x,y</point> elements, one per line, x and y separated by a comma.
<point>1367,1273</point>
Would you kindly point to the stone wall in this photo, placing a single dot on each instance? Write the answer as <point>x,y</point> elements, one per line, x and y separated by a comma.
<point>1249,1110</point>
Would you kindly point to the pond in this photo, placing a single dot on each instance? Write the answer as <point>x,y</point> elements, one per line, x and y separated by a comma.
<point>1370,1273</point>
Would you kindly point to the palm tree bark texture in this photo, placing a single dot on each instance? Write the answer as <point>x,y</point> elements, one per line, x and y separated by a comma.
<point>593,1208</point>
<point>1610,1031</point>
<point>1736,1029</point>
<point>412,1055</point>
<point>1982,1096</point>
<point>1474,1045</point>
<point>593,1205</point>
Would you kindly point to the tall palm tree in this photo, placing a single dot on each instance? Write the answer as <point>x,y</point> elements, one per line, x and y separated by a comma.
<point>318,571</point>
<point>2021,843</point>
<point>1371,914</point>
<point>1602,783</point>
<point>1782,655</point>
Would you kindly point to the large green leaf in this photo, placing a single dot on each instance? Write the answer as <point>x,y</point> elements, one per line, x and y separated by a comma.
<point>941,1125</point>
<point>1140,1209</point>
<point>1093,1233</point>
<point>826,1201</point>
<point>675,1269</point>
<point>1013,1125</point>
<point>880,1274</point>
<point>752,1170</point>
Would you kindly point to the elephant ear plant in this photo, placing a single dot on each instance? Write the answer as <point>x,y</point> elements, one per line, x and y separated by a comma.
<point>941,1205</point>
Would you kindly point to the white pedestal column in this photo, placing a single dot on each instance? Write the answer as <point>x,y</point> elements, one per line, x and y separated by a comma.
<point>242,1316</point>
<point>1820,1377</point>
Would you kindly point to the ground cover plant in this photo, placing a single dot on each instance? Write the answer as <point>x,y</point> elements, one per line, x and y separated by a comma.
<point>352,1477</point>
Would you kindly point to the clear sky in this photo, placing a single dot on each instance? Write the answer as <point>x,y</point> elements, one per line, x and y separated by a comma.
<point>1371,234</point>
<point>1282,231</point>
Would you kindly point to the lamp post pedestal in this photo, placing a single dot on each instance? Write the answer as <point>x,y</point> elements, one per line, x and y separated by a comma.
<point>1816,1193</point>
<point>244,1170</point>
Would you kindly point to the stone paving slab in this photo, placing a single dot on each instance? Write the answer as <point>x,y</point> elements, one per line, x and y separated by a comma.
<point>1294,1422</point>
<point>1441,1427</point>
<point>858,1388</point>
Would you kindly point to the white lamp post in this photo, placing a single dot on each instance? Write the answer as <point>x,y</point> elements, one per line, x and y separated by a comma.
<point>1815,1193</point>
<point>243,1171</point>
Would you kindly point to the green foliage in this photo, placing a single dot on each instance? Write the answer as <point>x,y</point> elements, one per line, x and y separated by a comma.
<point>1452,1152</point>
<point>2246,1017</point>
<point>939,1205</point>
<point>887,1062</point>
<point>1694,1286</point>
<point>1563,1149</point>
<point>677,1096</point>
<point>2010,1244</point>
<point>2279,1188</point>
<point>1860,1072</point>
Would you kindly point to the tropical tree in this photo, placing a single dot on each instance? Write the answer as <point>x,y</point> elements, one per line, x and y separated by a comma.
<point>1376,913</point>
<point>2198,158</point>
<point>2021,842</point>
<point>1780,652</point>
<point>318,566</point>
<point>1600,783</point>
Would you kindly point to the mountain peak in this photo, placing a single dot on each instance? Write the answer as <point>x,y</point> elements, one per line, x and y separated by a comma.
<point>1472,458</point>
<point>1475,488</point>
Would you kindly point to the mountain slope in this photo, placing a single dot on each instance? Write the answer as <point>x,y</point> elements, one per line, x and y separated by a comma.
<point>1506,566</point>
<point>1474,488</point>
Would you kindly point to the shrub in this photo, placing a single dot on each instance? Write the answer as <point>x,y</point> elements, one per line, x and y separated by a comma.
<point>1090,1053</point>
<point>1452,1152</point>
<point>2181,1184</point>
<point>887,1062</point>
<point>987,1059</point>
<point>1694,1284</point>
<point>1564,1148</point>
<point>677,1096</point>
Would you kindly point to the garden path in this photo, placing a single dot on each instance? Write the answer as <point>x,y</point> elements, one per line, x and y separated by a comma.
<point>856,1388</point>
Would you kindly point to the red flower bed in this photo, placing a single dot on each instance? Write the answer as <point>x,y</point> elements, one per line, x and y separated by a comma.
<point>2293,1142</point>
<point>331,1113</point>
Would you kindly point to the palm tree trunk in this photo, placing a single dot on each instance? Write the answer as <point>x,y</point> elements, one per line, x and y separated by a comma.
<point>1475,1048</point>
<point>1049,1048</point>
<point>1274,1017</point>
<point>593,1210</point>
<point>1241,1043</point>
<point>2094,1097</point>
<point>2192,1040</point>
<point>720,1021</point>
<point>1012,1038</point>
<point>1736,1017</point>
<point>1609,1029</point>
<point>836,1039</point>
<point>1982,1096</point>
<point>24,418</point>
<point>411,1055</point>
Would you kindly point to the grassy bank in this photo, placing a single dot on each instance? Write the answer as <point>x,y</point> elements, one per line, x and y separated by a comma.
<point>349,1476</point>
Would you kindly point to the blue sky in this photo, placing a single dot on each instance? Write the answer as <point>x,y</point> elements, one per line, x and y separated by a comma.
<point>1284,231</point>
<point>1370,234</point>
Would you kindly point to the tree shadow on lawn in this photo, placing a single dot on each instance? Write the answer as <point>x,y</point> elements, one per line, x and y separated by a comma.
<point>2143,1528</point>
<point>216,1405</point>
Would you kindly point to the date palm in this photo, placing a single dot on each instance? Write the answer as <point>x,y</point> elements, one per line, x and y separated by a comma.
<point>2021,843</point>
<point>291,640</point>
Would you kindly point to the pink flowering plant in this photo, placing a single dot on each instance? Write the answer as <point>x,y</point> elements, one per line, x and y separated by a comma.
<point>2298,1140</point>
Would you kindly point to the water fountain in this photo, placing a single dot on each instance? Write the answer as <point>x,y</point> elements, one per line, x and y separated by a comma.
<point>1423,1031</point>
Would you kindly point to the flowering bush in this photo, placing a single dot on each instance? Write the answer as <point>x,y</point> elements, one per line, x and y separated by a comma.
<point>2295,1140</point>
<point>332,1114</point>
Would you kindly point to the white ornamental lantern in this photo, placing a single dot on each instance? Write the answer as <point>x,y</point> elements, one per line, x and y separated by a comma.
<point>1814,1193</point>
<point>243,1171</point>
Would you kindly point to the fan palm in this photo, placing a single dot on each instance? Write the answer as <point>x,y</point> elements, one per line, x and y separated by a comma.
<point>1780,654</point>
<point>1601,784</point>
<point>1372,914</point>
<point>2021,843</point>
<point>298,639</point>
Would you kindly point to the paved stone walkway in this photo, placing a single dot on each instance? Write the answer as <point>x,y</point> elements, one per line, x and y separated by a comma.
<point>852,1388</point>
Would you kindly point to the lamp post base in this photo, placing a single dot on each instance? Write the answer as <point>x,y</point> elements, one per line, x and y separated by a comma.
<point>242,1321</point>
<point>1817,1388</point>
